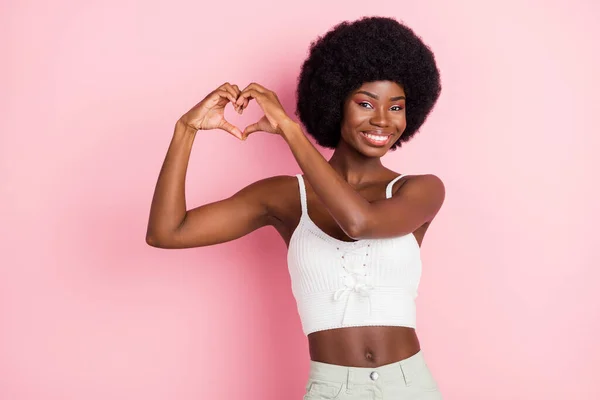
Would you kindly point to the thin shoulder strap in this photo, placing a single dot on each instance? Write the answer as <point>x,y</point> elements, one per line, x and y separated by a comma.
<point>388,190</point>
<point>302,193</point>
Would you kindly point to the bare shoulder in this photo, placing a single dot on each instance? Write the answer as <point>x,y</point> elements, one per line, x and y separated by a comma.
<point>427,182</point>
<point>427,190</point>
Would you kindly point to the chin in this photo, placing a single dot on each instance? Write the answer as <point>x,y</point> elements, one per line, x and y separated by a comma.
<point>374,153</point>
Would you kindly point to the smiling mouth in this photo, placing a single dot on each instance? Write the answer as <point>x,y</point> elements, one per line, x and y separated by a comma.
<point>376,138</point>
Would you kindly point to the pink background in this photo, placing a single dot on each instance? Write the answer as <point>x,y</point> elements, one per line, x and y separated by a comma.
<point>509,302</point>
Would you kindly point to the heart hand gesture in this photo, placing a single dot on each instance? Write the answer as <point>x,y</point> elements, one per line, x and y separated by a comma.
<point>275,117</point>
<point>209,113</point>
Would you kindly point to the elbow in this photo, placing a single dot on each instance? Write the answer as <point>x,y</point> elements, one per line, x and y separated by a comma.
<point>356,229</point>
<point>354,234</point>
<point>151,241</point>
<point>162,237</point>
<point>164,241</point>
<point>158,241</point>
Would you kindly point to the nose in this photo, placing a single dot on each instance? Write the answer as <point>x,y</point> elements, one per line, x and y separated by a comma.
<point>380,118</point>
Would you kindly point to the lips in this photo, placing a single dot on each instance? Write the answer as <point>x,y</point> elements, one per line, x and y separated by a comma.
<point>376,138</point>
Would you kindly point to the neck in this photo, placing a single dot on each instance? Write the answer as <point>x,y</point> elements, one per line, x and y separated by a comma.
<point>353,166</point>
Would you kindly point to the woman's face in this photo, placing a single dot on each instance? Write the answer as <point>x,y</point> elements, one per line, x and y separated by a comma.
<point>374,117</point>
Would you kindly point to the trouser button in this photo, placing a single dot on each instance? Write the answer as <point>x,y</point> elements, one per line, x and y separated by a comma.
<point>374,375</point>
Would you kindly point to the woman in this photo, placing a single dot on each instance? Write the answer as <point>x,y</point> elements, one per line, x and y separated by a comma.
<point>353,227</point>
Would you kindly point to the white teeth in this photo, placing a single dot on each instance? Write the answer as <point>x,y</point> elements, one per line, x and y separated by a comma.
<point>377,138</point>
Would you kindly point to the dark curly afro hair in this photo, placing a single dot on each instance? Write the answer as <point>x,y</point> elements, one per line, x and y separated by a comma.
<point>353,53</point>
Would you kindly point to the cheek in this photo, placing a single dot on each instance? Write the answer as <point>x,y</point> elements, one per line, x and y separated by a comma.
<point>401,123</point>
<point>350,119</point>
<point>356,119</point>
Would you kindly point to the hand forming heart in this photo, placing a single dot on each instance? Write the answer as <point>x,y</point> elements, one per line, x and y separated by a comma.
<point>275,116</point>
<point>209,113</point>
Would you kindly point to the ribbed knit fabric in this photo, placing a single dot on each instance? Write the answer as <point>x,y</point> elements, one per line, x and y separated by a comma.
<point>370,282</point>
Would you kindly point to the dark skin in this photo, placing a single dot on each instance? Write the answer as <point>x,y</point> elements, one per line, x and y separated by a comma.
<point>346,197</point>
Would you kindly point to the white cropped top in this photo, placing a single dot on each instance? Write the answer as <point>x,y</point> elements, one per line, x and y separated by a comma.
<point>370,282</point>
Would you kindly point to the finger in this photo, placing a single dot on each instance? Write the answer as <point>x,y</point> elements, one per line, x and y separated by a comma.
<point>239,108</point>
<point>230,89</point>
<point>234,90</point>
<point>237,94</point>
<point>226,94</point>
<point>261,89</point>
<point>257,87</point>
<point>243,106</point>
<point>246,95</point>
<point>225,86</point>
<point>215,99</point>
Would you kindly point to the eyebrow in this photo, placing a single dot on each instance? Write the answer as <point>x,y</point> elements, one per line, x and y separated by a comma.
<point>377,97</point>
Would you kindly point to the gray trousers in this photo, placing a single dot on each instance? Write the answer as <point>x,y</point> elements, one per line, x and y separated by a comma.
<point>409,379</point>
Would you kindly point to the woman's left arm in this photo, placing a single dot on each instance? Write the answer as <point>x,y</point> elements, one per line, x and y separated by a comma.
<point>416,203</point>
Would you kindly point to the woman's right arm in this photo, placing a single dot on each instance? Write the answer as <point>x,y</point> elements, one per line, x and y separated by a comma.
<point>170,224</point>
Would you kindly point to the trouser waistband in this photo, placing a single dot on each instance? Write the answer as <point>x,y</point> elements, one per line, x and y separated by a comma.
<point>364,375</point>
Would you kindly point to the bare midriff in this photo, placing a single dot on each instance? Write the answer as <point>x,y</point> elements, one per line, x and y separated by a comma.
<point>364,346</point>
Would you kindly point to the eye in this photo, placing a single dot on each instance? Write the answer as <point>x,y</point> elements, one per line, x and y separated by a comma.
<point>397,108</point>
<point>364,103</point>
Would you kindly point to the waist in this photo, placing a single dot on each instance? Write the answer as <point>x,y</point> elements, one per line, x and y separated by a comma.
<point>371,346</point>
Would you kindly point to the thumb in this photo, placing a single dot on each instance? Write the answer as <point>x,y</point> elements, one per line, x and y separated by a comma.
<point>234,130</point>
<point>250,129</point>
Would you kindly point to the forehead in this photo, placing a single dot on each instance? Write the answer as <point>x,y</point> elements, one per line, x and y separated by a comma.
<point>384,88</point>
